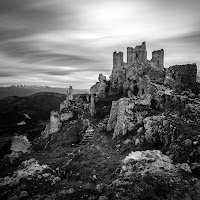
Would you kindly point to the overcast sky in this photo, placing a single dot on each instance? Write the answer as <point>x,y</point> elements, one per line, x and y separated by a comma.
<point>69,42</point>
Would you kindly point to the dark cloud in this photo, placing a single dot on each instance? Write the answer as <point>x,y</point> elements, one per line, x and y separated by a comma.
<point>187,38</point>
<point>27,17</point>
<point>59,72</point>
<point>29,53</point>
<point>7,74</point>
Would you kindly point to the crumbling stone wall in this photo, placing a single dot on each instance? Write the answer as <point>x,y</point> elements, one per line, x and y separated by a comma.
<point>184,76</point>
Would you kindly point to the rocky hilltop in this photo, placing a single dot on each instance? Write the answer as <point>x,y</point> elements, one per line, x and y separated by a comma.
<point>136,136</point>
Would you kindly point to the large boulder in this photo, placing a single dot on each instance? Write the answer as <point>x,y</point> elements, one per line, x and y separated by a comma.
<point>152,175</point>
<point>127,113</point>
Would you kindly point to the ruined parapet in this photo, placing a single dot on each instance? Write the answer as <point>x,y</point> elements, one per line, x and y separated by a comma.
<point>54,125</point>
<point>93,91</point>
<point>158,58</point>
<point>184,76</point>
<point>92,108</point>
<point>69,98</point>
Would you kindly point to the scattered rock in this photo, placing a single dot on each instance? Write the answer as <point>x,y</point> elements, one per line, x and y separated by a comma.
<point>69,191</point>
<point>65,116</point>
<point>23,194</point>
<point>127,141</point>
<point>103,198</point>
<point>27,169</point>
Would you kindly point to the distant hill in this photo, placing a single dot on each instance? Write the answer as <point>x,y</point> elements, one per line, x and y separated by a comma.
<point>15,109</point>
<point>27,90</point>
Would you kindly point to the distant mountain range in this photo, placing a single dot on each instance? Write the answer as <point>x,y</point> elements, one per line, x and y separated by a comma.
<point>27,90</point>
<point>27,109</point>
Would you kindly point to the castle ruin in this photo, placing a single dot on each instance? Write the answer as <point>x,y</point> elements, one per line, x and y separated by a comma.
<point>138,64</point>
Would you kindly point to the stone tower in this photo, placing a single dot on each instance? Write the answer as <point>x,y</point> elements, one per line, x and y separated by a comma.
<point>158,58</point>
<point>130,55</point>
<point>117,59</point>
<point>141,53</point>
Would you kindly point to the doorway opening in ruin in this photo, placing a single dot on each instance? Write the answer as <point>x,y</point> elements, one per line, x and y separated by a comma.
<point>158,62</point>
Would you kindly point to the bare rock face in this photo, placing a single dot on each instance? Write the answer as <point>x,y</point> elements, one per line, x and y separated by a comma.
<point>54,125</point>
<point>144,171</point>
<point>63,105</point>
<point>20,145</point>
<point>127,113</point>
<point>65,116</point>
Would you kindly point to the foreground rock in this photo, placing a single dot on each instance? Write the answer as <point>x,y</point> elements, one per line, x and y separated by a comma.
<point>152,175</point>
<point>28,168</point>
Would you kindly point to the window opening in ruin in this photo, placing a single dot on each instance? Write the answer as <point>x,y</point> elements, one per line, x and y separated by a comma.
<point>136,90</point>
<point>158,62</point>
<point>142,91</point>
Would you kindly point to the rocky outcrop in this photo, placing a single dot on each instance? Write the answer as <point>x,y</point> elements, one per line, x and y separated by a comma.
<point>150,162</point>
<point>145,171</point>
<point>53,126</point>
<point>65,116</point>
<point>30,170</point>
<point>20,145</point>
<point>127,113</point>
<point>98,91</point>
